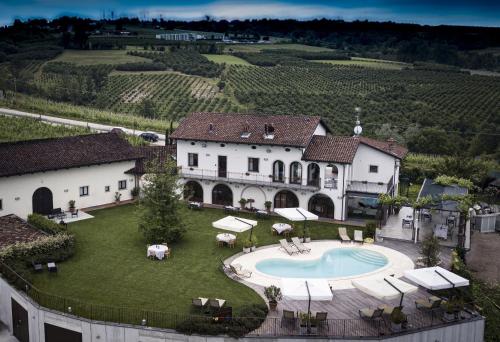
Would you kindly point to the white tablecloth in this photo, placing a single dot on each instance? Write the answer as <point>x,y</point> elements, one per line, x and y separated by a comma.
<point>225,237</point>
<point>158,251</point>
<point>441,231</point>
<point>281,227</point>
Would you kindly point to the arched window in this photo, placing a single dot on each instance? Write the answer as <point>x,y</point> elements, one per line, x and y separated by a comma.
<point>296,173</point>
<point>279,171</point>
<point>313,174</point>
<point>286,199</point>
<point>193,191</point>
<point>222,194</point>
<point>331,176</point>
<point>322,206</point>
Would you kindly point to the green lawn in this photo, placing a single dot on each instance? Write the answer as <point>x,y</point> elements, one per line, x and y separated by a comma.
<point>110,265</point>
<point>92,57</point>
<point>228,59</point>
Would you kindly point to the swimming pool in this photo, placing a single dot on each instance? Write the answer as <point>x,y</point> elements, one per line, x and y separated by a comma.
<point>334,263</point>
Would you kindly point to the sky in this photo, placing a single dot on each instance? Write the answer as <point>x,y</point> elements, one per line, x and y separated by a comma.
<point>431,12</point>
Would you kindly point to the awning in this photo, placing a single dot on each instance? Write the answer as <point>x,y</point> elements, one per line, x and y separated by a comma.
<point>387,288</point>
<point>310,289</point>
<point>436,278</point>
<point>296,214</point>
<point>234,224</point>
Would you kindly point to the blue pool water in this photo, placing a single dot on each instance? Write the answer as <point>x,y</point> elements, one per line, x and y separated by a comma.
<point>334,263</point>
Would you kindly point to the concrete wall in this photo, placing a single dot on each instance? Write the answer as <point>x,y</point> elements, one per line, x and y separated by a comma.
<point>366,156</point>
<point>17,191</point>
<point>100,332</point>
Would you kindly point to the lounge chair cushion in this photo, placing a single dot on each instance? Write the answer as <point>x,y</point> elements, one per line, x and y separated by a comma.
<point>368,313</point>
<point>219,303</point>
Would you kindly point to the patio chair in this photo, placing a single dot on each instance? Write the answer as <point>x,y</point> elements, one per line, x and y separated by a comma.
<point>343,235</point>
<point>37,267</point>
<point>288,318</point>
<point>231,243</point>
<point>75,213</point>
<point>238,270</point>
<point>358,236</point>
<point>217,303</point>
<point>300,246</point>
<point>199,302</point>
<point>371,314</point>
<point>290,249</point>
<point>427,304</point>
<point>52,267</point>
<point>388,309</point>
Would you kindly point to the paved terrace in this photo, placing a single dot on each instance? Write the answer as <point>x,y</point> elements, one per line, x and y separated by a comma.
<point>346,303</point>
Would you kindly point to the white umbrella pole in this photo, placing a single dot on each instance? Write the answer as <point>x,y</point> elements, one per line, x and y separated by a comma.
<point>305,221</point>
<point>401,292</point>
<point>251,229</point>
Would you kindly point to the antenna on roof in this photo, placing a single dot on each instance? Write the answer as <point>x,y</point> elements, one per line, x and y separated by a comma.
<point>357,129</point>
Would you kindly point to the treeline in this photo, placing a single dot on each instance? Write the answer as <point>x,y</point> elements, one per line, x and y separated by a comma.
<point>10,52</point>
<point>188,62</point>
<point>156,66</point>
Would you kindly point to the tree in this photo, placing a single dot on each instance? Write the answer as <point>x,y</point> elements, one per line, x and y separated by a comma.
<point>148,108</point>
<point>159,218</point>
<point>430,251</point>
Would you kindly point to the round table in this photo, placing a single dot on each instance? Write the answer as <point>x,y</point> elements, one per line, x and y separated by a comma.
<point>158,251</point>
<point>225,237</point>
<point>281,227</point>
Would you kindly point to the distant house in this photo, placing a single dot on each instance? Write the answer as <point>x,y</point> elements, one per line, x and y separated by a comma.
<point>288,160</point>
<point>185,35</point>
<point>40,175</point>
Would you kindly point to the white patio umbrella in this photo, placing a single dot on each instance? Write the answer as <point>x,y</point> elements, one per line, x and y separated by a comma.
<point>436,278</point>
<point>306,289</point>
<point>387,288</point>
<point>235,224</point>
<point>296,214</point>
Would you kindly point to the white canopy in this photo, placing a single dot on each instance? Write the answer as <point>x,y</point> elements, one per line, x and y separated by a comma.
<point>435,278</point>
<point>296,289</point>
<point>381,289</point>
<point>296,214</point>
<point>234,224</point>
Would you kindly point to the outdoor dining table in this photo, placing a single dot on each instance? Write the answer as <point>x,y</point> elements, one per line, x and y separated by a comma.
<point>158,251</point>
<point>441,231</point>
<point>282,227</point>
<point>408,221</point>
<point>225,237</point>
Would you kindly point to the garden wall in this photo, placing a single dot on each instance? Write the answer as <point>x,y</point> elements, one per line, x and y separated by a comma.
<point>91,331</point>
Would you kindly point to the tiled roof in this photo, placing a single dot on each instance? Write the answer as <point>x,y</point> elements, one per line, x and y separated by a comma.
<point>15,230</point>
<point>61,153</point>
<point>151,154</point>
<point>343,149</point>
<point>331,149</point>
<point>289,130</point>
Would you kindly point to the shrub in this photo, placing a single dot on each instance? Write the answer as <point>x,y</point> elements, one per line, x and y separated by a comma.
<point>430,251</point>
<point>371,226</point>
<point>43,223</point>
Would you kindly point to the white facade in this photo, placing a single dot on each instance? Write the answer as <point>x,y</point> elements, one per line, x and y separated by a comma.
<point>261,187</point>
<point>16,192</point>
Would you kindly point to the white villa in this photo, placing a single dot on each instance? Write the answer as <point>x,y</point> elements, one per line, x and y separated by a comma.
<point>41,175</point>
<point>290,161</point>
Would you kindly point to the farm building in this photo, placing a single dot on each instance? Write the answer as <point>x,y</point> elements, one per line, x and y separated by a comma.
<point>190,35</point>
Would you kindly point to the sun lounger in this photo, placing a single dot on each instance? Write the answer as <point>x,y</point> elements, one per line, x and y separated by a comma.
<point>217,303</point>
<point>371,314</point>
<point>238,270</point>
<point>300,246</point>
<point>430,303</point>
<point>199,302</point>
<point>358,236</point>
<point>290,249</point>
<point>343,234</point>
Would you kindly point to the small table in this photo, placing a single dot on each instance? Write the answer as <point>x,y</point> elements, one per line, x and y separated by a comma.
<point>158,251</point>
<point>441,231</point>
<point>282,227</point>
<point>194,205</point>
<point>225,238</point>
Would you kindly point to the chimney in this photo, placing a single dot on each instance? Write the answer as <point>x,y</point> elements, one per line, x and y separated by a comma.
<point>210,128</point>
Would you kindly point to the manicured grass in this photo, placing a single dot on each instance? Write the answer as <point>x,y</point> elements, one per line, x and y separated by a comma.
<point>92,57</point>
<point>228,59</point>
<point>110,265</point>
<point>368,63</point>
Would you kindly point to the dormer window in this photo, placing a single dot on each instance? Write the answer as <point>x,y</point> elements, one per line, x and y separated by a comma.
<point>210,128</point>
<point>268,131</point>
<point>246,131</point>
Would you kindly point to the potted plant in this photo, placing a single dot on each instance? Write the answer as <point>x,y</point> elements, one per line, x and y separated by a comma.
<point>307,235</point>
<point>254,244</point>
<point>117,197</point>
<point>304,319</point>
<point>268,205</point>
<point>71,205</point>
<point>135,192</point>
<point>452,308</point>
<point>250,201</point>
<point>398,202</point>
<point>247,245</point>
<point>273,295</point>
<point>242,202</point>
<point>397,319</point>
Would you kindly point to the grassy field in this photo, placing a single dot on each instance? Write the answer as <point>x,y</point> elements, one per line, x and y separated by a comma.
<point>93,57</point>
<point>110,265</point>
<point>260,47</point>
<point>228,59</point>
<point>368,63</point>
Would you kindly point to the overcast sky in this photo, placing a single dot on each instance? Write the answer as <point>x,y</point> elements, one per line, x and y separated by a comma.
<point>433,12</point>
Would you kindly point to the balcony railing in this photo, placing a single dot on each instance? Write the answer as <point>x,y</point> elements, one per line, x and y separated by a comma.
<point>248,178</point>
<point>369,187</point>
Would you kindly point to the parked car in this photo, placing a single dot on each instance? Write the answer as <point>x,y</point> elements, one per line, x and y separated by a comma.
<point>149,136</point>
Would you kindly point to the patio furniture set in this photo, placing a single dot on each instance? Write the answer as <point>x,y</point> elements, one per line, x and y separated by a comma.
<point>294,247</point>
<point>38,267</point>
<point>358,235</point>
<point>60,214</point>
<point>158,251</point>
<point>235,269</point>
<point>224,239</point>
<point>281,228</point>
<point>304,320</point>
<point>195,205</point>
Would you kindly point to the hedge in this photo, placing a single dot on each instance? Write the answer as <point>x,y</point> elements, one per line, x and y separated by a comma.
<point>48,226</point>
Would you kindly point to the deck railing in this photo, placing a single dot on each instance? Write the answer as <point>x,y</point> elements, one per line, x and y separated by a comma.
<point>270,327</point>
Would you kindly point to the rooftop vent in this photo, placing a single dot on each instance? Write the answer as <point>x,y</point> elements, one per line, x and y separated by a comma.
<point>391,142</point>
<point>246,131</point>
<point>268,131</point>
<point>210,128</point>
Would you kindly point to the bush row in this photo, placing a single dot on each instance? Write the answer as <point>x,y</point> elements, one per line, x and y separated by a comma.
<point>48,226</point>
<point>157,66</point>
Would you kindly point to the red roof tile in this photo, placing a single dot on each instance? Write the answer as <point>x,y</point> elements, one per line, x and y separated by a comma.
<point>151,154</point>
<point>15,230</point>
<point>388,147</point>
<point>331,149</point>
<point>289,130</point>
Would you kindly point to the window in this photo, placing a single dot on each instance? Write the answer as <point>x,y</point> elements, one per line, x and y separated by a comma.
<point>296,173</point>
<point>84,191</point>
<point>1,204</point>
<point>122,185</point>
<point>373,168</point>
<point>253,164</point>
<point>193,159</point>
<point>106,188</point>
